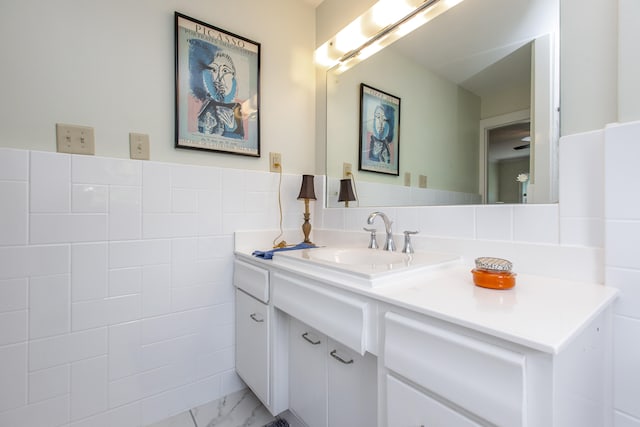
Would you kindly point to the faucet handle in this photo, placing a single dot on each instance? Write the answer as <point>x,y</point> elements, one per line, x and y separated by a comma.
<point>373,243</point>
<point>408,247</point>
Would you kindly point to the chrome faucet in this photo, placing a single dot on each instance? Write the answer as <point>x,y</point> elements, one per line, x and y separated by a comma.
<point>389,245</point>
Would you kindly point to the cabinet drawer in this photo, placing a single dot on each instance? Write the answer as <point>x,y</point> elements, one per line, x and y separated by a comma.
<point>483,378</point>
<point>406,407</point>
<point>251,279</point>
<point>252,344</point>
<point>339,316</point>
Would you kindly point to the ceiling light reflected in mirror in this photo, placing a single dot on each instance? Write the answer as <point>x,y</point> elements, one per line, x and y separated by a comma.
<point>385,22</point>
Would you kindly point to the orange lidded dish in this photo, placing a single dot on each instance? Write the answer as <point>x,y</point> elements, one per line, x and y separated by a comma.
<point>493,273</point>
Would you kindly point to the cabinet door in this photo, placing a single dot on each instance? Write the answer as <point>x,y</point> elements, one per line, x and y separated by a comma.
<point>252,344</point>
<point>407,407</point>
<point>307,374</point>
<point>353,393</point>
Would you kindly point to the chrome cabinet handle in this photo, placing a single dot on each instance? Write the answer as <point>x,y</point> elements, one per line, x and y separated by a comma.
<point>334,354</point>
<point>309,340</point>
<point>256,318</point>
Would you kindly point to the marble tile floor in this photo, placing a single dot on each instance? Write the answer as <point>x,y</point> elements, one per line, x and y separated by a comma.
<point>240,409</point>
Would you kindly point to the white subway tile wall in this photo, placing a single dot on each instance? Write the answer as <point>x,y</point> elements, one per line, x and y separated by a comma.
<point>116,297</point>
<point>622,263</point>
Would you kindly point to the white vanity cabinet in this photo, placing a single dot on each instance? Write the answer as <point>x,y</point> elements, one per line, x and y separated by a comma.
<point>261,338</point>
<point>434,351</point>
<point>330,384</point>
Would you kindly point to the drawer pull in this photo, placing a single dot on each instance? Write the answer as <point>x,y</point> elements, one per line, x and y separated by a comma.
<point>334,354</point>
<point>256,318</point>
<point>309,340</point>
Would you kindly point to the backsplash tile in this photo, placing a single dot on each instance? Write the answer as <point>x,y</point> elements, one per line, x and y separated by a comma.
<point>621,243</point>
<point>536,224</point>
<point>494,223</point>
<point>156,194</point>
<point>105,170</point>
<point>14,223</point>
<point>88,387</point>
<point>582,166</point>
<point>116,302</point>
<point>125,209</point>
<point>628,281</point>
<point>14,164</point>
<point>13,371</point>
<point>449,221</point>
<point>89,198</point>
<point>139,255</point>
<point>582,232</point>
<point>48,383</point>
<point>49,306</point>
<point>13,294</point>
<point>89,271</point>
<point>49,181</point>
<point>621,157</point>
<point>13,327</point>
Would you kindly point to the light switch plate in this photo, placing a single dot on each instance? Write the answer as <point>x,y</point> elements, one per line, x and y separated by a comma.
<point>422,181</point>
<point>139,146</point>
<point>275,162</point>
<point>74,139</point>
<point>346,170</point>
<point>407,179</point>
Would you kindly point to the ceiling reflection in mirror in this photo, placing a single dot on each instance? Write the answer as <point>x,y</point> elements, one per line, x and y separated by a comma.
<point>479,67</point>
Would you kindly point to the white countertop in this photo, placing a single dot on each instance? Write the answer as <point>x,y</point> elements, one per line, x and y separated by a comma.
<point>542,313</point>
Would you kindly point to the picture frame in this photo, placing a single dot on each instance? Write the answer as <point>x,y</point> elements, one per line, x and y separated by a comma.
<point>217,89</point>
<point>379,149</point>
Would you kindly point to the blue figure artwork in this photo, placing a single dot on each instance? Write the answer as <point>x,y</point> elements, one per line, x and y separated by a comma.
<point>382,134</point>
<point>214,84</point>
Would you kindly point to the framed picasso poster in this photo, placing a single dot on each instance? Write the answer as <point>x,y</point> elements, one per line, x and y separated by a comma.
<point>379,131</point>
<point>217,89</point>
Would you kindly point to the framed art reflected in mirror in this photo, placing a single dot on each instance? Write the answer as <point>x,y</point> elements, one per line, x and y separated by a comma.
<point>379,131</point>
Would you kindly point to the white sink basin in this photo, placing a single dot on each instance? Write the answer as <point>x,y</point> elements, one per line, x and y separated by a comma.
<point>370,267</point>
<point>357,256</point>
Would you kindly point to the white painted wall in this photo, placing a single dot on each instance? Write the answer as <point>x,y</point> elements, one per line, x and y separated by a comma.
<point>588,64</point>
<point>110,65</point>
<point>628,60</point>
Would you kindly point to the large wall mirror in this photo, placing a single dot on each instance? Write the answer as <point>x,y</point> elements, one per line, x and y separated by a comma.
<point>478,89</point>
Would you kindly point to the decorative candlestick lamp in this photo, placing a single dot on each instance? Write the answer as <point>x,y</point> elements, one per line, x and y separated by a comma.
<point>346,192</point>
<point>307,193</point>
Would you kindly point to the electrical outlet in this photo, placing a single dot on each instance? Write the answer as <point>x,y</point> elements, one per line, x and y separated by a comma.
<point>275,160</point>
<point>422,181</point>
<point>407,179</point>
<point>346,170</point>
<point>74,139</point>
<point>139,146</point>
